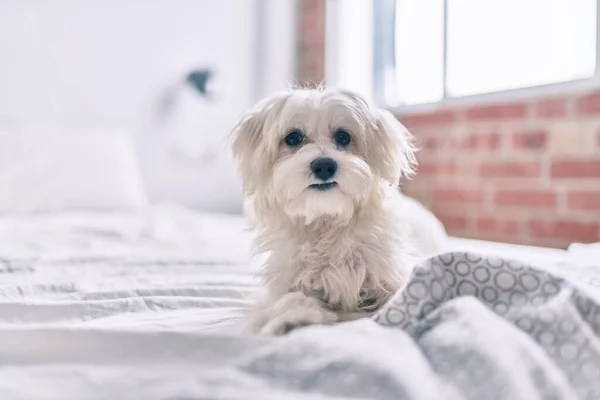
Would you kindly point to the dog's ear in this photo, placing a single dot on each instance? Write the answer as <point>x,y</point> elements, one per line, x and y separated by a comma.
<point>392,150</point>
<point>249,145</point>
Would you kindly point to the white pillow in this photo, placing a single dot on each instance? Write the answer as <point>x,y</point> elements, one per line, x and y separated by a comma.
<point>46,169</point>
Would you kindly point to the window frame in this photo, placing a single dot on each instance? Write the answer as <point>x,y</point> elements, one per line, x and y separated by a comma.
<point>385,88</point>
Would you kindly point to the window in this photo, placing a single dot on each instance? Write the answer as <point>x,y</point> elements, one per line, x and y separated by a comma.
<point>454,48</point>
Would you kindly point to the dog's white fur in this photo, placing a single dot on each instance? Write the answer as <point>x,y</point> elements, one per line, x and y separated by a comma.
<point>330,255</point>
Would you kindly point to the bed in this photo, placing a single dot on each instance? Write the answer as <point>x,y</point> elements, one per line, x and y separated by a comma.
<point>145,305</point>
<point>144,301</point>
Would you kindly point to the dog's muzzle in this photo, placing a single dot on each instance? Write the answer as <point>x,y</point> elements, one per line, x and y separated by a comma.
<point>323,186</point>
<point>323,168</point>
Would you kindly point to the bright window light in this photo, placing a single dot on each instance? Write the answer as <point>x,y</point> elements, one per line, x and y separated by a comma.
<point>491,45</point>
<point>420,50</point>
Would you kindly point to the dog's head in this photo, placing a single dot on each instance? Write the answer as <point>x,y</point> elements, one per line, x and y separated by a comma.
<point>312,153</point>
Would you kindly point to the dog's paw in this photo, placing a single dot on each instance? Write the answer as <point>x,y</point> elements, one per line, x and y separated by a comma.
<point>283,324</point>
<point>295,310</point>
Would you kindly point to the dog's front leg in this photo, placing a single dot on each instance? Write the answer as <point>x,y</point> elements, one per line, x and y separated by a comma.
<point>294,310</point>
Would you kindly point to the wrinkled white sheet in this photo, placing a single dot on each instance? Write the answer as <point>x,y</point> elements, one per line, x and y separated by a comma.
<point>87,298</point>
<point>129,306</point>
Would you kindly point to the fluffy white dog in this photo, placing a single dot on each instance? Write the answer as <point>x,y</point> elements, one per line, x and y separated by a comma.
<point>321,169</point>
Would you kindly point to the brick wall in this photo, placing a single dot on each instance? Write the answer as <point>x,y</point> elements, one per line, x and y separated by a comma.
<point>521,172</point>
<point>310,60</point>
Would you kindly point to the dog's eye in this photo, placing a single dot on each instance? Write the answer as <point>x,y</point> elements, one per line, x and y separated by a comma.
<point>342,138</point>
<point>294,138</point>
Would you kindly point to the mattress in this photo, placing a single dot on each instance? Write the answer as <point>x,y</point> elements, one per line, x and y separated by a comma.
<point>147,305</point>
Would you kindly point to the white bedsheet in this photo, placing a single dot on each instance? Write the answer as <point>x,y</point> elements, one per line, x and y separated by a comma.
<point>130,299</point>
<point>126,305</point>
<point>116,270</point>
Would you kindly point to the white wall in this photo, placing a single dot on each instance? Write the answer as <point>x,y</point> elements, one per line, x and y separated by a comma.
<point>279,39</point>
<point>120,64</point>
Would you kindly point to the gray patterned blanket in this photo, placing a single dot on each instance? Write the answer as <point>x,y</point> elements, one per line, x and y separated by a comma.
<point>465,327</point>
<point>498,329</point>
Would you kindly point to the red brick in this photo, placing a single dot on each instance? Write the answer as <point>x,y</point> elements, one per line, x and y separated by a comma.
<point>575,168</point>
<point>309,25</point>
<point>583,200</point>
<point>573,231</point>
<point>457,195</point>
<point>467,169</point>
<point>416,191</point>
<point>466,143</point>
<point>533,198</point>
<point>493,141</point>
<point>310,43</point>
<point>452,222</point>
<point>430,118</point>
<point>498,111</point>
<point>510,169</point>
<point>432,168</point>
<point>453,143</point>
<point>497,225</point>
<point>487,141</point>
<point>588,104</point>
<point>430,143</point>
<point>530,139</point>
<point>311,4</point>
<point>551,108</point>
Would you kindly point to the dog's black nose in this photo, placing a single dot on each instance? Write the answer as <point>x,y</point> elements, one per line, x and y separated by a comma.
<point>323,167</point>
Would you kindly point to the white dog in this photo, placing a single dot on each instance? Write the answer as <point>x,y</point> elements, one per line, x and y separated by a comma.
<point>321,170</point>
